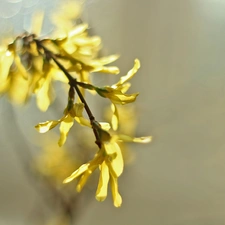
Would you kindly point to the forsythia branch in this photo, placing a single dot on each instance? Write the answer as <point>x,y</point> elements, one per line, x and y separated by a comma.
<point>72,83</point>
<point>29,65</point>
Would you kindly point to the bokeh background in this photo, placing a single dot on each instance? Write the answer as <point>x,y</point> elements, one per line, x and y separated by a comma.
<point>178,179</point>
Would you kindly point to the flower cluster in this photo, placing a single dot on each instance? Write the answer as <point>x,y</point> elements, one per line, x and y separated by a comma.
<point>109,161</point>
<point>29,65</point>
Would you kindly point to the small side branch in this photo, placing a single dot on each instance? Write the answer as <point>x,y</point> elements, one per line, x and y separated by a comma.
<point>73,83</point>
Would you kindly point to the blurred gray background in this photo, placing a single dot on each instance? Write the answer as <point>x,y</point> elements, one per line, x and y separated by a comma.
<point>178,179</point>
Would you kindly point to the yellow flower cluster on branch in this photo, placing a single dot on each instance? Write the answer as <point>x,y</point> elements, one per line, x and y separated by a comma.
<point>29,65</point>
<point>109,161</point>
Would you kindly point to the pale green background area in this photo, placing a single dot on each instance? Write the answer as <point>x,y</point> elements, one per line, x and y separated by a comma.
<point>178,179</point>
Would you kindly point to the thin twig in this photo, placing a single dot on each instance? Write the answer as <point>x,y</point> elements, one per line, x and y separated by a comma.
<point>72,82</point>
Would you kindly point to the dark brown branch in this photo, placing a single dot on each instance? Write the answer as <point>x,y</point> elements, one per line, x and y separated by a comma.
<point>73,83</point>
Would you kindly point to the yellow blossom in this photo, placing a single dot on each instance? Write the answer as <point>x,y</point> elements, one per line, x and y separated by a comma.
<point>129,75</point>
<point>66,122</point>
<point>109,160</point>
<point>116,96</point>
<point>117,92</point>
<point>76,45</point>
<point>81,51</point>
<point>71,113</point>
<point>76,50</point>
<point>43,85</point>
<point>123,118</point>
<point>110,163</point>
<point>12,77</point>
<point>20,78</point>
<point>30,65</point>
<point>6,60</point>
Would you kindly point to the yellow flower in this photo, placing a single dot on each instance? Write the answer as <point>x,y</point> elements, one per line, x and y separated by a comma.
<point>123,118</point>
<point>76,45</point>
<point>66,122</point>
<point>124,121</point>
<point>25,66</point>
<point>23,71</point>
<point>116,96</point>
<point>109,160</point>
<point>43,84</point>
<point>116,92</point>
<point>6,60</point>
<point>81,51</point>
<point>13,77</point>
<point>122,82</point>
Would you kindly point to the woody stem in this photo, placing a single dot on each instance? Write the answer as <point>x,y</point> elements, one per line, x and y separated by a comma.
<point>72,83</point>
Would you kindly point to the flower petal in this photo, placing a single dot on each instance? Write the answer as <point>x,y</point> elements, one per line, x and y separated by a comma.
<point>77,109</point>
<point>83,121</point>
<point>79,29</point>
<point>18,88</point>
<point>117,199</point>
<point>115,163</point>
<point>77,173</point>
<point>105,126</point>
<point>6,61</point>
<point>65,126</point>
<point>143,139</point>
<point>108,69</point>
<point>101,192</point>
<point>123,99</point>
<point>115,117</point>
<point>87,41</point>
<point>20,67</point>
<point>87,167</point>
<point>46,126</point>
<point>108,59</point>
<point>84,178</point>
<point>45,95</point>
<point>125,87</point>
<point>127,138</point>
<point>116,96</point>
<point>130,74</point>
